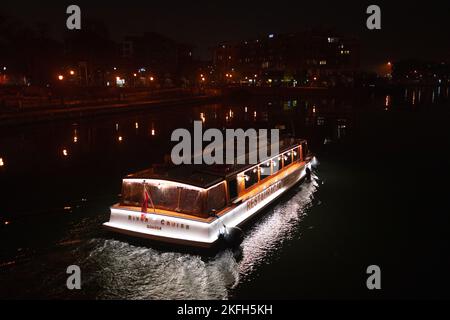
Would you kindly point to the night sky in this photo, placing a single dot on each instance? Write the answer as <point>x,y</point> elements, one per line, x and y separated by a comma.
<point>408,30</point>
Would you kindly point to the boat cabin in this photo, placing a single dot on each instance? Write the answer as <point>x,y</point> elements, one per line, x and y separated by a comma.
<point>204,191</point>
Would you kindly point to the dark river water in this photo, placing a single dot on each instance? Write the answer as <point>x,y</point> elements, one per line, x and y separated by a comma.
<point>379,197</point>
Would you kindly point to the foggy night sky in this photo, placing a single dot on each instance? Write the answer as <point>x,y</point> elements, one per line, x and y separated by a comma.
<point>408,30</point>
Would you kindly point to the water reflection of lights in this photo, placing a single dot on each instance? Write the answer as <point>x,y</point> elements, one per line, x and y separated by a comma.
<point>279,226</point>
<point>121,270</point>
<point>387,102</point>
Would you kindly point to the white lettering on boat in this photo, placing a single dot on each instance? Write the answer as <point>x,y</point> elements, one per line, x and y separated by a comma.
<point>251,203</point>
<point>174,224</point>
<point>163,222</point>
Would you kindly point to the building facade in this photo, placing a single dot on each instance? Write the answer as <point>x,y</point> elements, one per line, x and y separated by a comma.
<point>307,58</point>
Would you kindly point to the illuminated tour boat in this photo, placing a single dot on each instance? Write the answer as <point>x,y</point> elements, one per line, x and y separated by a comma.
<point>197,206</point>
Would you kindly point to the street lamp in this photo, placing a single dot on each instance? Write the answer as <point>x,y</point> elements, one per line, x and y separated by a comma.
<point>60,77</point>
<point>72,72</point>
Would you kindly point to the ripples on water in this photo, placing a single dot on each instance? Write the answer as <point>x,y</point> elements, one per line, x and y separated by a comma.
<point>113,269</point>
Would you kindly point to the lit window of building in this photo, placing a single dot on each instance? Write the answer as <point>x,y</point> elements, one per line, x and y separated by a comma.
<point>332,39</point>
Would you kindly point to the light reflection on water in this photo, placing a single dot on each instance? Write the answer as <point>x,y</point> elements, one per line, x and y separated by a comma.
<point>121,270</point>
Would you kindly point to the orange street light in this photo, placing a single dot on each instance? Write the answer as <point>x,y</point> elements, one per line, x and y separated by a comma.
<point>151,78</point>
<point>72,72</point>
<point>60,77</point>
<point>134,74</point>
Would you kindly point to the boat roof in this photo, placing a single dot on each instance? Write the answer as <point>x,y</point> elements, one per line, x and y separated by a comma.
<point>200,175</point>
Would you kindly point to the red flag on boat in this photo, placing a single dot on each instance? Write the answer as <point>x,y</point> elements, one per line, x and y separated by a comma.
<point>144,203</point>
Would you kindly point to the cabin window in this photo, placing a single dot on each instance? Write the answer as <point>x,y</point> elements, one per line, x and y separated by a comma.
<point>287,158</point>
<point>264,170</point>
<point>131,194</point>
<point>296,154</point>
<point>190,201</point>
<point>251,177</point>
<point>233,189</point>
<point>164,196</point>
<point>216,198</point>
<point>276,164</point>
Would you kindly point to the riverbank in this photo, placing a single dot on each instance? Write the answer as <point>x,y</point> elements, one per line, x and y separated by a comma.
<point>34,115</point>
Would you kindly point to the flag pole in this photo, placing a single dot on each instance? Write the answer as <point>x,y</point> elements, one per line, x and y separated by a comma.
<point>150,197</point>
